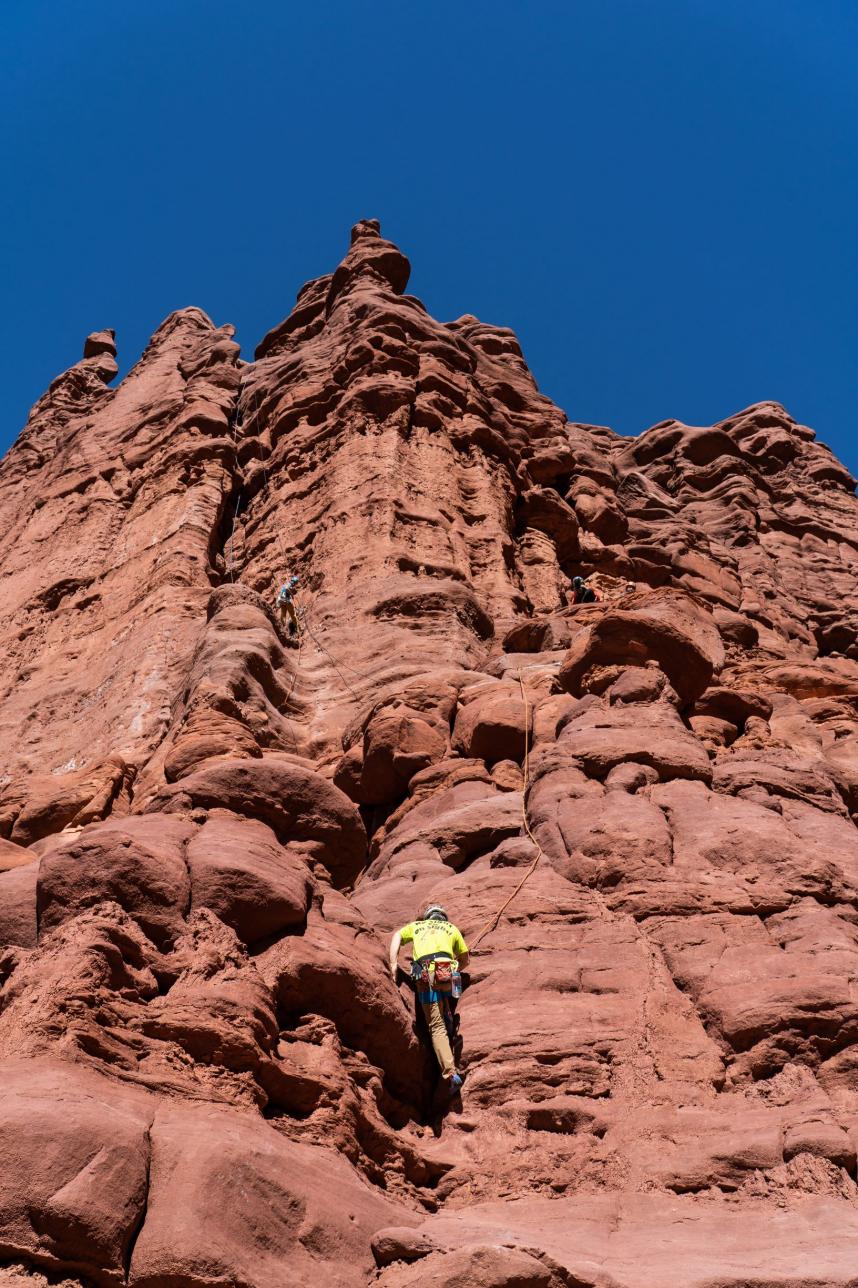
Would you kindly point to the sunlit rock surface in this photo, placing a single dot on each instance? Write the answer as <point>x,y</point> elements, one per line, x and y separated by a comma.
<point>208,830</point>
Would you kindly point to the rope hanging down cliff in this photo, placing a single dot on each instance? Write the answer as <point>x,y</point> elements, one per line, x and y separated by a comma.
<point>302,611</point>
<point>492,923</point>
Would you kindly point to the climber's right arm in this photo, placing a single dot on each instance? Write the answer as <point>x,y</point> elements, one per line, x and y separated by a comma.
<point>395,944</point>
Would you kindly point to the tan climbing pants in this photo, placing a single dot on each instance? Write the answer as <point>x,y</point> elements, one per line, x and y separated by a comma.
<point>287,610</point>
<point>440,1040</point>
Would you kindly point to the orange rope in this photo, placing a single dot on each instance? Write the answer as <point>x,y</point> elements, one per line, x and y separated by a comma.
<point>492,923</point>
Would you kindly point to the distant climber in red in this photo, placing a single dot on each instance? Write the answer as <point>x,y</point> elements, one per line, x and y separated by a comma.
<point>438,953</point>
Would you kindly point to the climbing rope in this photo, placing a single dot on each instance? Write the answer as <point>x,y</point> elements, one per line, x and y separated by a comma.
<point>304,624</point>
<point>330,657</point>
<point>336,664</point>
<point>645,1040</point>
<point>492,923</point>
<point>232,538</point>
<point>256,425</point>
<point>267,479</point>
<point>237,474</point>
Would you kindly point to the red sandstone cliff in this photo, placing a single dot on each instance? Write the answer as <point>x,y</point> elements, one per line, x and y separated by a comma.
<point>208,832</point>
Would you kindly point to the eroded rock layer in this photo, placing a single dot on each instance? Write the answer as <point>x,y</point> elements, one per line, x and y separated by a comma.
<point>642,812</point>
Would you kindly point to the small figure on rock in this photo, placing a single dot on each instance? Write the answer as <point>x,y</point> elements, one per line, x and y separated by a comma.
<point>285,604</point>
<point>582,593</point>
<point>438,953</point>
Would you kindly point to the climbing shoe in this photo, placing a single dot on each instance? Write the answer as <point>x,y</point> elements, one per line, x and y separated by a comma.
<point>456,1083</point>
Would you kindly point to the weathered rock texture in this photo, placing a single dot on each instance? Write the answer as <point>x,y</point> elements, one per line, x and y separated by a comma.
<point>208,830</point>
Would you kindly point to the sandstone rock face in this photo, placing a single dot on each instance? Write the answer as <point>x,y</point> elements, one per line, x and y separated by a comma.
<point>642,812</point>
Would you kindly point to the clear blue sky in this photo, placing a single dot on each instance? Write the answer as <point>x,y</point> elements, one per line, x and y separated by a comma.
<point>660,196</point>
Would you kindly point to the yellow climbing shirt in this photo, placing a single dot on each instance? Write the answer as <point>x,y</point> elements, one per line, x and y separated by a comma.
<point>434,937</point>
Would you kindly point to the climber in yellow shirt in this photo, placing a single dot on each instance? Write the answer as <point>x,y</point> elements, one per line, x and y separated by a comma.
<point>439,949</point>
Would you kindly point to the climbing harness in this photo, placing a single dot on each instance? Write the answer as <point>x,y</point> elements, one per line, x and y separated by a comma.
<point>437,980</point>
<point>492,923</point>
<point>435,974</point>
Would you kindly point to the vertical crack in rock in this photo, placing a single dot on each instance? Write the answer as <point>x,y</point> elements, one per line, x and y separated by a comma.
<point>141,1220</point>
<point>209,829</point>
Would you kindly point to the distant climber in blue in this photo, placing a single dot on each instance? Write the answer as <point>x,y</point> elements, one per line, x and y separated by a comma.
<point>286,605</point>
